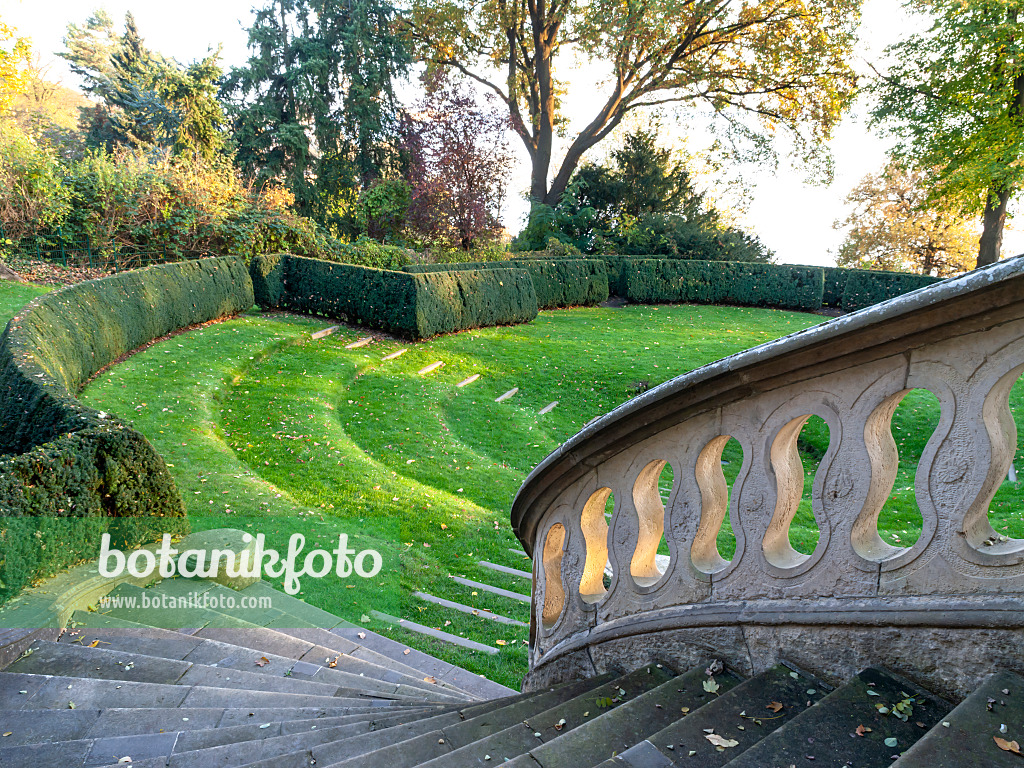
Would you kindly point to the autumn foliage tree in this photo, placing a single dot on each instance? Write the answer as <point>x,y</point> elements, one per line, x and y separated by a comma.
<point>894,226</point>
<point>764,66</point>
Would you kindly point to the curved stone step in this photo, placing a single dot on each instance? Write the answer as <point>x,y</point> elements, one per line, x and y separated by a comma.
<point>967,735</point>
<point>827,732</point>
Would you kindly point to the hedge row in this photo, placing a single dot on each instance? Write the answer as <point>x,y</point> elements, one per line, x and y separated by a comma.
<point>68,472</point>
<point>559,282</point>
<point>862,287</point>
<point>415,305</point>
<point>653,281</point>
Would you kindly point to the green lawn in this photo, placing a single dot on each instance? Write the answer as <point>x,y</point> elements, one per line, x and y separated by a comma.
<point>265,427</point>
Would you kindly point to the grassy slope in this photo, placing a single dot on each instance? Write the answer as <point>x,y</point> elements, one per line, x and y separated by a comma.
<point>13,296</point>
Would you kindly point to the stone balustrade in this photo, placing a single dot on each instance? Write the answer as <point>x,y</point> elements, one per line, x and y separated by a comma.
<point>943,610</point>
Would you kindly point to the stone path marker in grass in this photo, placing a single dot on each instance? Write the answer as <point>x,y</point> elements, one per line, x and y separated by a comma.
<point>493,590</point>
<point>435,633</point>
<point>507,395</point>
<point>483,614</point>
<point>548,408</point>
<point>326,332</point>
<point>399,353</point>
<point>430,368</point>
<point>470,380</point>
<point>506,569</point>
<point>360,343</point>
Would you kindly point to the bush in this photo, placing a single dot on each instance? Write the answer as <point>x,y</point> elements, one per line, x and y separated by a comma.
<point>652,281</point>
<point>866,287</point>
<point>559,282</point>
<point>71,472</point>
<point>415,305</point>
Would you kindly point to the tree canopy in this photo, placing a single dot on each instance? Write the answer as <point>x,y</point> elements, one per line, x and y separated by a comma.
<point>893,226</point>
<point>762,65</point>
<point>14,58</point>
<point>953,97</point>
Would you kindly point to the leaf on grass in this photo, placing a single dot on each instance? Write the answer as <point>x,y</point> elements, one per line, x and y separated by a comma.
<point>501,642</point>
<point>1008,746</point>
<point>720,741</point>
<point>775,706</point>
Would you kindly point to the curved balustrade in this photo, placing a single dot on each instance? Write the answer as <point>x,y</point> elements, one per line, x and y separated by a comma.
<point>956,594</point>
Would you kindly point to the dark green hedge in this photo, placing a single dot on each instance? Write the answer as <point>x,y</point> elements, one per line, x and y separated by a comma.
<point>416,305</point>
<point>866,287</point>
<point>559,282</point>
<point>69,472</point>
<point>652,281</point>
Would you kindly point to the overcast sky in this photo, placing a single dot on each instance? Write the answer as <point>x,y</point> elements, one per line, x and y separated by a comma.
<point>792,217</point>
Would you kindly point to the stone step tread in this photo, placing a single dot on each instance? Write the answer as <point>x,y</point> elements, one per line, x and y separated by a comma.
<point>51,725</point>
<point>505,569</point>
<point>483,614</point>
<point>101,663</point>
<point>545,726</point>
<point>967,735</point>
<point>493,590</point>
<point>449,734</point>
<point>192,616</point>
<point>221,747</point>
<point>199,650</point>
<point>622,726</point>
<point>477,685</point>
<point>367,664</point>
<point>53,692</point>
<point>437,634</point>
<point>365,644</point>
<point>826,732</point>
<point>744,714</point>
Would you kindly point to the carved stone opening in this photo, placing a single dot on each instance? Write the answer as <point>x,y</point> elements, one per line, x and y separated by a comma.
<point>650,492</point>
<point>779,546</point>
<point>554,590</point>
<point>714,532</point>
<point>595,533</point>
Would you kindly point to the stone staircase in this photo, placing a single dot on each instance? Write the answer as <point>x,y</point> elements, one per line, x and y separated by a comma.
<point>278,691</point>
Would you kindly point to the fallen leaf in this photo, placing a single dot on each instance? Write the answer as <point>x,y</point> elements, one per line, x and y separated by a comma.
<point>501,642</point>
<point>333,662</point>
<point>775,706</point>
<point>94,644</point>
<point>406,652</point>
<point>361,635</point>
<point>710,685</point>
<point>861,730</point>
<point>431,680</point>
<point>1007,746</point>
<point>890,742</point>
<point>720,741</point>
<point>262,661</point>
<point>9,733</point>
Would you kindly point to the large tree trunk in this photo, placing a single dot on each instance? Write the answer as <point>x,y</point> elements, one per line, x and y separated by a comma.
<point>6,273</point>
<point>992,228</point>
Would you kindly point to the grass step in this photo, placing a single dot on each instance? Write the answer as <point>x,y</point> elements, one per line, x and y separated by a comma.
<point>199,650</point>
<point>967,735</point>
<point>827,733</point>
<point>505,569</point>
<point>483,614</point>
<point>493,590</point>
<point>744,714</point>
<point>437,634</point>
<point>549,725</point>
<point>622,726</point>
<point>452,734</point>
<point>441,670</point>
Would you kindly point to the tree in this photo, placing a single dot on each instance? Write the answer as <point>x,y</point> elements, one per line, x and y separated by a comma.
<point>14,58</point>
<point>954,99</point>
<point>314,107</point>
<point>894,226</point>
<point>457,162</point>
<point>760,65</point>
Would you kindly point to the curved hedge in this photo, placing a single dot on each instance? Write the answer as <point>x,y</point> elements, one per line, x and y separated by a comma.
<point>415,305</point>
<point>67,471</point>
<point>559,282</point>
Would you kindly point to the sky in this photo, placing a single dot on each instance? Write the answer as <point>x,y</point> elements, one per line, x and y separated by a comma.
<point>794,218</point>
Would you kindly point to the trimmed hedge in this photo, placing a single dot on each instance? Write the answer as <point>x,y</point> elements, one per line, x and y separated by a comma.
<point>653,281</point>
<point>68,472</point>
<point>415,305</point>
<point>559,282</point>
<point>866,287</point>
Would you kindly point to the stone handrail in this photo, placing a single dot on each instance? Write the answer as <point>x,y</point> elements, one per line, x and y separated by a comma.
<point>944,609</point>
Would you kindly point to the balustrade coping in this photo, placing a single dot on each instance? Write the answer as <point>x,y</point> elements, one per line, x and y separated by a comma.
<point>977,300</point>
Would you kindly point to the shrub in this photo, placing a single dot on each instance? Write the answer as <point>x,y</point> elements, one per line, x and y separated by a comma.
<point>652,281</point>
<point>866,287</point>
<point>415,305</point>
<point>71,472</point>
<point>558,282</point>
